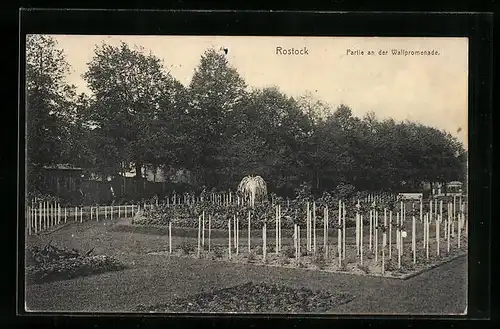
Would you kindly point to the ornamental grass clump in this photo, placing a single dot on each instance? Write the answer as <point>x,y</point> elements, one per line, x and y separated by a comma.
<point>254,188</point>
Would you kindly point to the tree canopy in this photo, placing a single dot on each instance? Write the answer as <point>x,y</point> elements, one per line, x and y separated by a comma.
<point>218,128</point>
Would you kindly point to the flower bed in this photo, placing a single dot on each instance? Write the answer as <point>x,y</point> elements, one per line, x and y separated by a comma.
<point>187,216</point>
<point>254,298</point>
<point>52,264</point>
<point>292,212</point>
<point>351,264</point>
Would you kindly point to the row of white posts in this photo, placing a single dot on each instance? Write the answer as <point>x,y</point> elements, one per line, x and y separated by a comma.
<point>434,216</point>
<point>373,197</point>
<point>228,198</point>
<point>45,215</point>
<point>427,219</point>
<point>221,199</point>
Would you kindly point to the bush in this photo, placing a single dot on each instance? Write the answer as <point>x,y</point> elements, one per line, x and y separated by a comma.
<point>319,261</point>
<point>187,247</point>
<point>407,267</point>
<point>350,258</point>
<point>289,252</point>
<point>391,265</point>
<point>344,190</point>
<point>250,257</point>
<point>283,260</point>
<point>364,268</point>
<point>218,252</point>
<point>52,264</point>
<point>211,255</point>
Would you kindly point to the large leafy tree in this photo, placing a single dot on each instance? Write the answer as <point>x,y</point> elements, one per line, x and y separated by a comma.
<point>135,104</point>
<point>269,135</point>
<point>48,104</point>
<point>215,91</point>
<point>333,148</point>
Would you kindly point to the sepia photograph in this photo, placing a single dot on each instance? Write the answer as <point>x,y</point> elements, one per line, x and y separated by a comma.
<point>176,174</point>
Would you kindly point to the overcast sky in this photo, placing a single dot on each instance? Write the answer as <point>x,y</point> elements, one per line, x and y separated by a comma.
<point>428,89</point>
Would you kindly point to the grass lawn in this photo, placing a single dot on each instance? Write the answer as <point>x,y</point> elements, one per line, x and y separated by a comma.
<point>153,279</point>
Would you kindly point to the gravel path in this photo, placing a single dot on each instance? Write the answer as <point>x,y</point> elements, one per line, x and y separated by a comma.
<point>156,279</point>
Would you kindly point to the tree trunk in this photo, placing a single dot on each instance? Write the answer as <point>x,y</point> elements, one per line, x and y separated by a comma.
<point>138,176</point>
<point>138,169</point>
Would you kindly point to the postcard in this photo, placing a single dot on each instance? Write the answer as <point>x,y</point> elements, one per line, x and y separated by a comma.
<point>246,174</point>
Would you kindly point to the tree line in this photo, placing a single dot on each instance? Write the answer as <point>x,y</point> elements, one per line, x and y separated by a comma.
<point>217,128</point>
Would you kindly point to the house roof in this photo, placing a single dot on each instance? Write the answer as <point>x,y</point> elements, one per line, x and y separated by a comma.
<point>62,167</point>
<point>127,174</point>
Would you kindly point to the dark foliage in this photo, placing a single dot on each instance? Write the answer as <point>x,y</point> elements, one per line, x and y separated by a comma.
<point>50,263</point>
<point>218,130</point>
<point>254,298</point>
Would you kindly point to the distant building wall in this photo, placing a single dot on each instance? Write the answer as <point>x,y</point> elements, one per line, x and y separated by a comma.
<point>61,180</point>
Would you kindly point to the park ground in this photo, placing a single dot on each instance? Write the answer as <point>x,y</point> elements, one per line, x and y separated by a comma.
<point>152,279</point>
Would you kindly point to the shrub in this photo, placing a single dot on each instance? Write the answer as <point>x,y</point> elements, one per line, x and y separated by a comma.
<point>364,268</point>
<point>289,252</point>
<point>258,250</point>
<point>319,261</point>
<point>250,257</point>
<point>187,247</point>
<point>407,267</point>
<point>344,190</point>
<point>218,252</point>
<point>350,258</point>
<point>51,264</point>
<point>391,265</point>
<point>284,260</point>
<point>211,255</point>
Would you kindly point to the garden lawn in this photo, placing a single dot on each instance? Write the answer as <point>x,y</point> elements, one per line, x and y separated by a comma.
<point>154,279</point>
